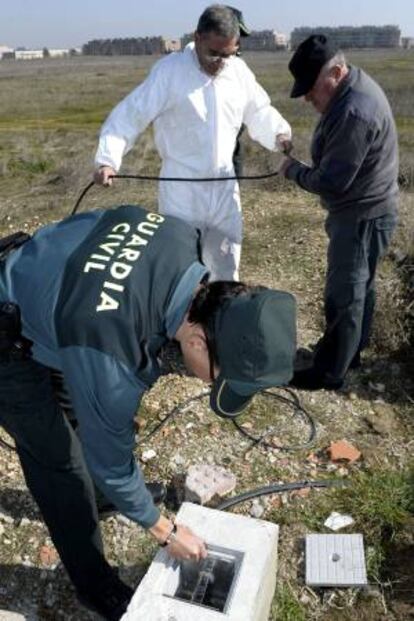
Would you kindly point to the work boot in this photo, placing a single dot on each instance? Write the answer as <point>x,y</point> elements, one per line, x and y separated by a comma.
<point>356,361</point>
<point>311,379</point>
<point>303,359</point>
<point>107,509</point>
<point>110,599</point>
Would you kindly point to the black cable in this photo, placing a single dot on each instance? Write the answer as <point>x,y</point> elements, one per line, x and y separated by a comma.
<point>295,403</point>
<point>7,445</point>
<point>187,179</point>
<point>84,192</point>
<point>277,489</point>
<point>299,409</point>
<point>177,409</point>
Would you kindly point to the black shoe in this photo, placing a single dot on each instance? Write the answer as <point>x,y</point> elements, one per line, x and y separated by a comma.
<point>110,602</point>
<point>303,359</point>
<point>107,509</point>
<point>158,492</point>
<point>310,379</point>
<point>356,361</point>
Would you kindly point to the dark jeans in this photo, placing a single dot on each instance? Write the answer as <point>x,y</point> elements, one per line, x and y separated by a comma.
<point>355,247</point>
<point>51,458</point>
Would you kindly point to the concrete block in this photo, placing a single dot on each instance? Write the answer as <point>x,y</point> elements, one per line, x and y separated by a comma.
<point>203,482</point>
<point>335,560</point>
<point>239,576</point>
<point>5,615</point>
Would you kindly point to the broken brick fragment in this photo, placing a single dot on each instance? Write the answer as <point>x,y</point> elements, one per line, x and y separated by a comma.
<point>343,451</point>
<point>205,481</point>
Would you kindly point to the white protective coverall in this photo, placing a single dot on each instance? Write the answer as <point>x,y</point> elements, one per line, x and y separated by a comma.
<point>196,120</point>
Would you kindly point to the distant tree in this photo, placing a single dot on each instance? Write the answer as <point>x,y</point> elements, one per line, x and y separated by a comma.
<point>46,53</point>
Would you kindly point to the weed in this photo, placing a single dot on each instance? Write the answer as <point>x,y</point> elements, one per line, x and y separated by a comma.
<point>286,606</point>
<point>19,166</point>
<point>380,502</point>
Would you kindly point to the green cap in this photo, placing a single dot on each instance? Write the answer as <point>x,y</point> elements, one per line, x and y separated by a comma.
<point>255,335</point>
<point>244,31</point>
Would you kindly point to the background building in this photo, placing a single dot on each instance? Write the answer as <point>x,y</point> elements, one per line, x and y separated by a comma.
<point>407,43</point>
<point>130,46</point>
<point>186,38</point>
<point>350,36</point>
<point>24,54</point>
<point>54,53</point>
<point>172,45</point>
<point>258,40</point>
<point>264,40</point>
<point>5,49</point>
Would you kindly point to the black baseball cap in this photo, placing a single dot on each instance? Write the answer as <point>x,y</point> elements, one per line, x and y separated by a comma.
<point>255,337</point>
<point>308,60</point>
<point>244,31</point>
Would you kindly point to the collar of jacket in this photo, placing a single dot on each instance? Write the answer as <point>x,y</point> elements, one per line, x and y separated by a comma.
<point>182,296</point>
<point>343,88</point>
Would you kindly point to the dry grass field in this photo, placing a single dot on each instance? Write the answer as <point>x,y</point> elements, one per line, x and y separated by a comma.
<point>51,114</point>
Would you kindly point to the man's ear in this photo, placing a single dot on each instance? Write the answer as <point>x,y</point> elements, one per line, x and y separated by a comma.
<point>197,339</point>
<point>337,72</point>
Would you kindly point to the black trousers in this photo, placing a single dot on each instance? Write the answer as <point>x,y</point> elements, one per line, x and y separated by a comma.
<point>355,247</point>
<point>52,461</point>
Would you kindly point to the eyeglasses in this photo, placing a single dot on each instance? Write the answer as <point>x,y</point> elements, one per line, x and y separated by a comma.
<point>213,56</point>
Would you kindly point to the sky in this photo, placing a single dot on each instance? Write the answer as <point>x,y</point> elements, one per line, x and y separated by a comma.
<point>70,23</point>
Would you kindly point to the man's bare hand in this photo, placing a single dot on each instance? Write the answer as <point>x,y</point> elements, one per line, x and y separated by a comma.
<point>286,162</point>
<point>183,543</point>
<point>284,143</point>
<point>103,175</point>
<point>186,545</point>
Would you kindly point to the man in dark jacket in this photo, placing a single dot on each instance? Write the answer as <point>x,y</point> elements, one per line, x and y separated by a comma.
<point>354,171</point>
<point>95,297</point>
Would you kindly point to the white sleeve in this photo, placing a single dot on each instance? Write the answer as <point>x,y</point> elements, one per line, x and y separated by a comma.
<point>263,121</point>
<point>131,117</point>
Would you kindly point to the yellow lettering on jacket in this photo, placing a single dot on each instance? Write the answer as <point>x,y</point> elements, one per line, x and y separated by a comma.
<point>116,255</point>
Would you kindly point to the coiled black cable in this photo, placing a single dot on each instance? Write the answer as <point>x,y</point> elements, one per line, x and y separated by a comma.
<point>256,440</point>
<point>299,409</point>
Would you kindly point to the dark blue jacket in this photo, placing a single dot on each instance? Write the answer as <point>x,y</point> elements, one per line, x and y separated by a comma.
<point>99,294</point>
<point>354,151</point>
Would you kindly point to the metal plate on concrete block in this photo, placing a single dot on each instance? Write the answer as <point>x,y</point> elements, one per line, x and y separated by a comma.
<point>209,583</point>
<point>335,560</point>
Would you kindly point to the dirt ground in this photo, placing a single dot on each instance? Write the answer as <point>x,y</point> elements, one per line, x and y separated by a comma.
<point>284,248</point>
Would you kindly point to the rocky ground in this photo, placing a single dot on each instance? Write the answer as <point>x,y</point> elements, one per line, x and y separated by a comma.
<point>284,248</point>
<point>51,114</point>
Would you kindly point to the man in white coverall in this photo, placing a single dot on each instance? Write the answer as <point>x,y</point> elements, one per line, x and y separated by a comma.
<point>198,100</point>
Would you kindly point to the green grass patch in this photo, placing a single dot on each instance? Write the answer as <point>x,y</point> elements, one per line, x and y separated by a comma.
<point>68,121</point>
<point>379,502</point>
<point>286,606</point>
<point>22,166</point>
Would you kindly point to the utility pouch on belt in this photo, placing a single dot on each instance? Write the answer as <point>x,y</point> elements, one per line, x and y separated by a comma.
<point>12,344</point>
<point>10,326</point>
<point>11,242</point>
